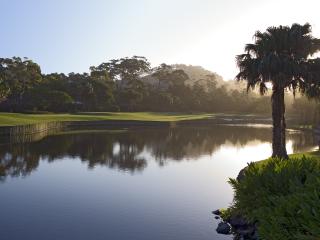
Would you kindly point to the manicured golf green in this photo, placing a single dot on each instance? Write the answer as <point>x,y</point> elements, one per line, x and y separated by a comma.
<point>14,119</point>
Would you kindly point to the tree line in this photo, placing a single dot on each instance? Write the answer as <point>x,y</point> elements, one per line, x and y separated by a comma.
<point>125,84</point>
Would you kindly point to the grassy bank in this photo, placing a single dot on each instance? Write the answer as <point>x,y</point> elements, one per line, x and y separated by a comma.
<point>14,119</point>
<point>282,196</point>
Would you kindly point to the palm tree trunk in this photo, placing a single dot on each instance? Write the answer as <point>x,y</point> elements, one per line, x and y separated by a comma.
<point>279,124</point>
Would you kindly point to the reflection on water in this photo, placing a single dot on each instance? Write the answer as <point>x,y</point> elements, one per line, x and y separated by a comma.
<point>162,184</point>
<point>127,150</point>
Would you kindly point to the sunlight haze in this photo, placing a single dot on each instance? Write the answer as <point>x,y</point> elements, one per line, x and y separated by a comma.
<point>70,36</point>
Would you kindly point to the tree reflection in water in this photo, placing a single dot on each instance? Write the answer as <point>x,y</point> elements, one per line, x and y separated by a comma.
<point>125,151</point>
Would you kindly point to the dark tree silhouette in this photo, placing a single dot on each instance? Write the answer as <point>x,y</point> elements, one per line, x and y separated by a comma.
<point>280,56</point>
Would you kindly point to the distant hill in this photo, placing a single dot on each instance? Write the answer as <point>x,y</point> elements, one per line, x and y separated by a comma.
<point>200,75</point>
<point>197,73</point>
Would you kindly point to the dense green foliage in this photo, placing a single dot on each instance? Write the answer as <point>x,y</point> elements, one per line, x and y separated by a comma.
<point>127,84</point>
<point>282,196</point>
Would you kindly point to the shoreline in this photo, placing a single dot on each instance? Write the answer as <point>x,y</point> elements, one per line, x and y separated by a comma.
<point>43,125</point>
<point>37,131</point>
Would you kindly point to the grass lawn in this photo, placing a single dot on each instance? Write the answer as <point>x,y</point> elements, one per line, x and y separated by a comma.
<point>314,154</point>
<point>13,119</point>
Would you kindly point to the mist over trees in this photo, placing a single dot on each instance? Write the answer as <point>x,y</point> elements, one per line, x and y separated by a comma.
<point>130,84</point>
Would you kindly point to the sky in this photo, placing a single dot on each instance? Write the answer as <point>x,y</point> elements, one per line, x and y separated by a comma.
<point>72,35</point>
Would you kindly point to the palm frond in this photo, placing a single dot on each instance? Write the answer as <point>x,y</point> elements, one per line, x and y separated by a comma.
<point>281,55</point>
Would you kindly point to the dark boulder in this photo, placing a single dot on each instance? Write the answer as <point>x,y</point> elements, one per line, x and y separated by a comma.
<point>247,232</point>
<point>223,228</point>
<point>237,221</point>
<point>216,212</point>
<point>241,174</point>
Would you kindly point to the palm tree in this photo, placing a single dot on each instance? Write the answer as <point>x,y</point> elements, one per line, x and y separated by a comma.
<point>280,56</point>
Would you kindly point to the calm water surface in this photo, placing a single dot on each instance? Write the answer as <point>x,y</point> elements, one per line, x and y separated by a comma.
<point>155,183</point>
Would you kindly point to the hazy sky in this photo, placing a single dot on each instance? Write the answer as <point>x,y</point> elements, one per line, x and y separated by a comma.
<point>71,35</point>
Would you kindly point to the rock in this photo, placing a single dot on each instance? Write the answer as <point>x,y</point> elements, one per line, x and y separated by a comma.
<point>255,235</point>
<point>216,212</point>
<point>237,221</point>
<point>217,217</point>
<point>241,174</point>
<point>238,226</point>
<point>246,231</point>
<point>223,228</point>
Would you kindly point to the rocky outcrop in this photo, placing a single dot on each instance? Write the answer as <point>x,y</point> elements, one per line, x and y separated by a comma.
<point>241,228</point>
<point>237,226</point>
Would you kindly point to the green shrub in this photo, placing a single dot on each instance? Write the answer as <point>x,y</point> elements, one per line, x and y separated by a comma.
<point>282,196</point>
<point>226,213</point>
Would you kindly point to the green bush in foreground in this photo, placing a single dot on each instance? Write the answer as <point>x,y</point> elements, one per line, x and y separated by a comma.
<point>282,196</point>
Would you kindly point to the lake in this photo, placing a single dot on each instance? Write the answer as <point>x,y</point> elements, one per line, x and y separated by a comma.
<point>133,184</point>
